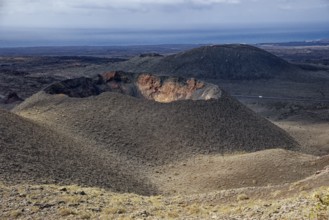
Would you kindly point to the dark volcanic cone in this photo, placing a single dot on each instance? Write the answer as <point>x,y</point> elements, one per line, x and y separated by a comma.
<point>230,62</point>
<point>196,117</point>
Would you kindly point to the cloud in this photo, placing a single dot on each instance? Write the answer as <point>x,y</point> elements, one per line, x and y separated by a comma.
<point>31,6</point>
<point>69,6</point>
<point>137,3</point>
<point>297,5</point>
<point>1,8</point>
<point>159,13</point>
<point>1,4</point>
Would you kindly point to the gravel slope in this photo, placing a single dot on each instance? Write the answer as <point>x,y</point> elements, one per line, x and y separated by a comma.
<point>30,152</point>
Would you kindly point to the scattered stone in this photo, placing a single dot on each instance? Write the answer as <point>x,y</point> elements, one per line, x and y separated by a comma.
<point>81,193</point>
<point>43,206</point>
<point>96,209</point>
<point>242,197</point>
<point>144,214</point>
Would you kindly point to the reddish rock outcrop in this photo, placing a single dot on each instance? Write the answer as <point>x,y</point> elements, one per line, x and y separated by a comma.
<point>152,87</point>
<point>167,90</point>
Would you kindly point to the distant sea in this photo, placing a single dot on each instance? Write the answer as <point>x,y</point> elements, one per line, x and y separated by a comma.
<point>10,37</point>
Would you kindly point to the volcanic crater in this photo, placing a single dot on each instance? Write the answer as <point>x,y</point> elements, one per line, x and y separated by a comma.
<point>145,85</point>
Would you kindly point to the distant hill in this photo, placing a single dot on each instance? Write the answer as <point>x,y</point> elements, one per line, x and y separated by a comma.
<point>322,42</point>
<point>233,62</point>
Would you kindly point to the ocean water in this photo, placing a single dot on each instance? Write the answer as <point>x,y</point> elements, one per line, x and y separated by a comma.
<point>102,37</point>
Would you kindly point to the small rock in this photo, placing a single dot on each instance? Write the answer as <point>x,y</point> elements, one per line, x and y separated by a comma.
<point>120,211</point>
<point>96,209</point>
<point>144,213</point>
<point>82,193</point>
<point>22,195</point>
<point>43,206</point>
<point>242,197</point>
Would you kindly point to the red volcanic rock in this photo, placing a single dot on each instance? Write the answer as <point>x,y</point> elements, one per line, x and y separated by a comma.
<point>167,90</point>
<point>148,86</point>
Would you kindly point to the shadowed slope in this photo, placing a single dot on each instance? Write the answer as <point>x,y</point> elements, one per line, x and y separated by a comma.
<point>33,153</point>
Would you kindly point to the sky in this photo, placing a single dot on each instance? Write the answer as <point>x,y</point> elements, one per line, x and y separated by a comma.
<point>160,15</point>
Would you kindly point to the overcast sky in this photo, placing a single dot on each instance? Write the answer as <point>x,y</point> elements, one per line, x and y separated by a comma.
<point>160,14</point>
<point>140,22</point>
